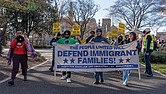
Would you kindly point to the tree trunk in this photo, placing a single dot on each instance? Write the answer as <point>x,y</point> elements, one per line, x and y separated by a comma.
<point>4,37</point>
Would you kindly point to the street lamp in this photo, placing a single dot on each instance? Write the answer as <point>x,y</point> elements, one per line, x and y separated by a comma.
<point>19,19</point>
<point>99,24</point>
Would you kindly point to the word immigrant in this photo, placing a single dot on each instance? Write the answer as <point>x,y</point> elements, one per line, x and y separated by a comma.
<point>95,57</point>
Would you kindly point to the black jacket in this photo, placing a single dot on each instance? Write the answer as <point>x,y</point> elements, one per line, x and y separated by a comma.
<point>148,41</point>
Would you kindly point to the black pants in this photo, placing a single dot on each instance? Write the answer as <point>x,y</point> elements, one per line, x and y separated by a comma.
<point>53,56</point>
<point>24,66</point>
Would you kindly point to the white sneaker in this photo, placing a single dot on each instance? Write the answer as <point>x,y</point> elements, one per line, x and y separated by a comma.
<point>68,80</point>
<point>63,77</point>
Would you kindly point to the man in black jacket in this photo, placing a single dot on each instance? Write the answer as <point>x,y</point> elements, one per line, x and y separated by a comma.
<point>148,46</point>
<point>97,39</point>
<point>91,36</point>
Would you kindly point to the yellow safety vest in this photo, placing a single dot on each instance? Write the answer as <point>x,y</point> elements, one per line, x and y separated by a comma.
<point>151,43</point>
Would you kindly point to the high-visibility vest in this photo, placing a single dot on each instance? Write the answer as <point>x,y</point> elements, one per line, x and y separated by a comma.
<point>151,43</point>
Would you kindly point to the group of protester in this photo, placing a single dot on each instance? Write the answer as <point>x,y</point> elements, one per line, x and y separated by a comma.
<point>147,45</point>
<point>20,47</point>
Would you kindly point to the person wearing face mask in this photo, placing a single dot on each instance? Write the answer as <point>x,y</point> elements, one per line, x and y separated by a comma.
<point>99,39</point>
<point>126,73</point>
<point>66,40</point>
<point>18,54</point>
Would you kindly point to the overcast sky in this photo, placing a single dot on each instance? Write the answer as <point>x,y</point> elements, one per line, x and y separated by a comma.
<point>103,5</point>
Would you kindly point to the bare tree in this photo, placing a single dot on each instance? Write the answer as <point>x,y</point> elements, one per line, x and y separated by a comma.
<point>138,13</point>
<point>163,7</point>
<point>60,9</point>
<point>83,11</point>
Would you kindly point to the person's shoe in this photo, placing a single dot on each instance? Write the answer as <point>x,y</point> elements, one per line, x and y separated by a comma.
<point>25,78</point>
<point>68,80</point>
<point>120,72</point>
<point>146,72</point>
<point>63,77</point>
<point>125,84</point>
<point>102,80</point>
<point>97,82</point>
<point>149,75</point>
<point>51,69</point>
<point>11,83</point>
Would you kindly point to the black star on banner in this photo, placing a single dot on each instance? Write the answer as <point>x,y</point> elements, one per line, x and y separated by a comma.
<point>65,60</point>
<point>121,60</point>
<point>128,60</point>
<point>72,60</point>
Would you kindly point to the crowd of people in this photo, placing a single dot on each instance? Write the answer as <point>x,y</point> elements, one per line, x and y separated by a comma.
<point>146,45</point>
<point>20,48</point>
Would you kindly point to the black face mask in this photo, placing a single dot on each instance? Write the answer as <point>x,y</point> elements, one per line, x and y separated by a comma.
<point>66,37</point>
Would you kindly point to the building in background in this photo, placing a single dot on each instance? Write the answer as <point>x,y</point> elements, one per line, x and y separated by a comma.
<point>106,25</point>
<point>67,22</point>
<point>161,35</point>
<point>91,26</point>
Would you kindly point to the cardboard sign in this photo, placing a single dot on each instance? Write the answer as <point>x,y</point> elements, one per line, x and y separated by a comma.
<point>56,27</point>
<point>76,30</point>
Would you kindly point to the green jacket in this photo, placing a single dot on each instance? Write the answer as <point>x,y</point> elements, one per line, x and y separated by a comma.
<point>66,41</point>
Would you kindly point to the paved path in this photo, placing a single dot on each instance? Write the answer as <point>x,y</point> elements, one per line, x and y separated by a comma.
<point>42,81</point>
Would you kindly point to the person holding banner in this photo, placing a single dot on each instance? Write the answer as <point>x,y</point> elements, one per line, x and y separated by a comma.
<point>92,35</point>
<point>97,39</point>
<point>126,73</point>
<point>120,40</point>
<point>66,40</point>
<point>51,43</point>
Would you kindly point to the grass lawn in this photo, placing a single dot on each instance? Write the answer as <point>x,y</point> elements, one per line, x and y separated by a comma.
<point>160,67</point>
<point>158,61</point>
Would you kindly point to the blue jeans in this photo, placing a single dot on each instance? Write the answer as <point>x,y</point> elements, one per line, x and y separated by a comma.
<point>98,75</point>
<point>148,64</point>
<point>126,74</point>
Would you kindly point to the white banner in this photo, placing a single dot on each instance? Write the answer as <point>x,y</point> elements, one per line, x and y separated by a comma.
<point>95,57</point>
